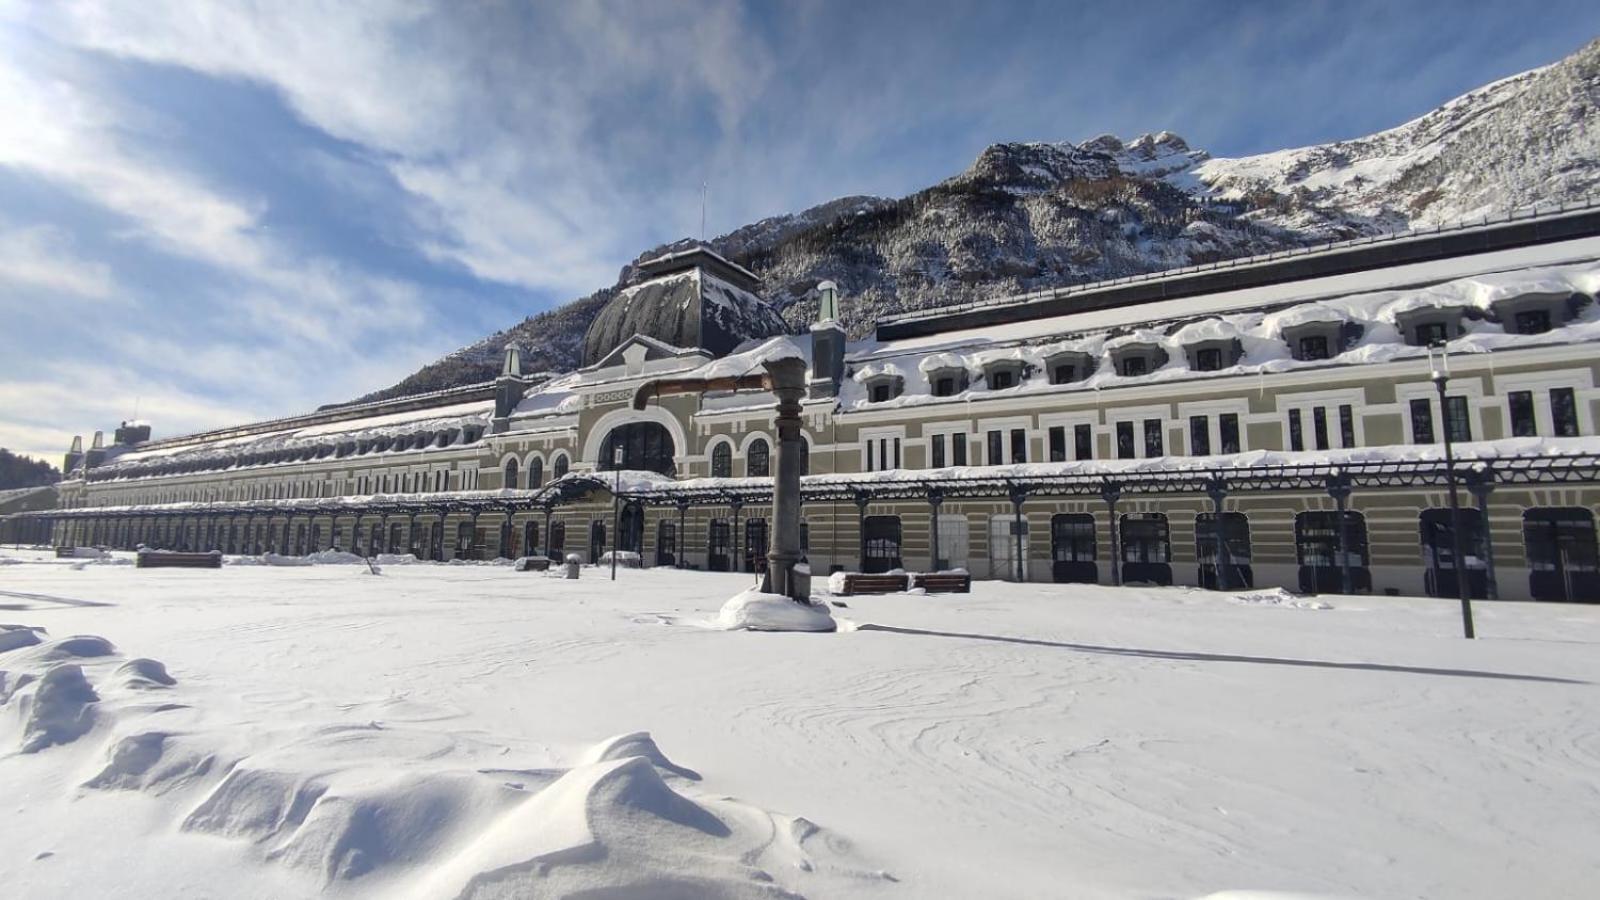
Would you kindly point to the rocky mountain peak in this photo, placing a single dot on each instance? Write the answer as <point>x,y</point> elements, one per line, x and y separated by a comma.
<point>1029,216</point>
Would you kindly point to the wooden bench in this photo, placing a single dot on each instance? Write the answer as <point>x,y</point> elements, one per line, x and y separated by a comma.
<point>860,583</point>
<point>533,564</point>
<point>156,559</point>
<point>943,583</point>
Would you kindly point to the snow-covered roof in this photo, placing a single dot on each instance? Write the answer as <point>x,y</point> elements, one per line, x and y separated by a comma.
<point>1260,335</point>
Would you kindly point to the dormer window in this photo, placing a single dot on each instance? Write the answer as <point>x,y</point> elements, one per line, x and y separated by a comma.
<point>1313,346</point>
<point>1003,374</point>
<point>1430,325</point>
<point>884,387</point>
<point>1536,313</point>
<point>1213,355</point>
<point>1531,321</point>
<point>1317,340</point>
<point>947,381</point>
<point>1133,360</point>
<point>1430,333</point>
<point>1069,366</point>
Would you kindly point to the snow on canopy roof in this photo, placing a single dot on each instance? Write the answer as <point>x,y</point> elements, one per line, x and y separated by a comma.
<point>436,418</point>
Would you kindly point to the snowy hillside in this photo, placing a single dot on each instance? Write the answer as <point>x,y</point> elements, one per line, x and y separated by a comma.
<point>1027,216</point>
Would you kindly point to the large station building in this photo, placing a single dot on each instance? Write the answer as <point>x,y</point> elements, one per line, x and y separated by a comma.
<point>1269,421</point>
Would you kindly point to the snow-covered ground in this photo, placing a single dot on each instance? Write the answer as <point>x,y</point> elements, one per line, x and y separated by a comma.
<point>444,731</point>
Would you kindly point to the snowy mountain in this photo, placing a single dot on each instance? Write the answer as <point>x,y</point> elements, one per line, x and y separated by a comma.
<point>1027,216</point>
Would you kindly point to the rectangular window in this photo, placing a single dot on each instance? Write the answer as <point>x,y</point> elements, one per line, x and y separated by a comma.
<point>1421,422</point>
<point>1319,426</point>
<point>1134,365</point>
<point>1228,431</point>
<point>1457,422</point>
<point>1297,438</point>
<point>1019,445</point>
<point>880,393</point>
<point>996,448</point>
<point>1001,379</point>
<point>1314,346</point>
<point>1564,412</point>
<point>1208,359</point>
<point>1065,373</point>
<point>936,452</point>
<point>1533,321</point>
<point>1199,436</point>
<point>944,387</point>
<point>871,461</point>
<point>1058,443</point>
<point>1152,438</point>
<point>958,449</point>
<point>1347,426</point>
<point>1125,440</point>
<point>1083,439</point>
<point>897,453</point>
<point>1523,423</point>
<point>1430,333</point>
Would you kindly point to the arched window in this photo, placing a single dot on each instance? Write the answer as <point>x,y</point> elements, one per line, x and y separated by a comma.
<point>511,474</point>
<point>535,472</point>
<point>722,461</point>
<point>646,447</point>
<point>560,468</point>
<point>757,460</point>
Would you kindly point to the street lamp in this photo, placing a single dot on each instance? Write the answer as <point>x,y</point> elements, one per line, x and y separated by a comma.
<point>1439,368</point>
<point>616,508</point>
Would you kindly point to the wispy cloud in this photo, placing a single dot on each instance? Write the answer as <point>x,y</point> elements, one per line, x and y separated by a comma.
<point>270,204</point>
<point>42,257</point>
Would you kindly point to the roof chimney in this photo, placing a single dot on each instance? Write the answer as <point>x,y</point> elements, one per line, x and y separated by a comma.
<point>74,457</point>
<point>97,451</point>
<point>508,390</point>
<point>827,343</point>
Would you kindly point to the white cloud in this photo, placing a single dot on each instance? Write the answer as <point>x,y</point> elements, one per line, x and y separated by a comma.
<point>41,257</point>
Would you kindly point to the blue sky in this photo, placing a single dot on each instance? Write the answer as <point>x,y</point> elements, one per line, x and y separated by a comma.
<point>213,212</point>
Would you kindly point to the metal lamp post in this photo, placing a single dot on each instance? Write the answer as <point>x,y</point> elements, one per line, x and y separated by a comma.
<point>1439,368</point>
<point>616,508</point>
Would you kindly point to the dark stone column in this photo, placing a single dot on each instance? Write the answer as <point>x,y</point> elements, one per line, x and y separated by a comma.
<point>1481,484</point>
<point>783,550</point>
<point>862,499</point>
<point>1019,495</point>
<point>1339,489</point>
<point>1217,490</point>
<point>935,500</point>
<point>1111,492</point>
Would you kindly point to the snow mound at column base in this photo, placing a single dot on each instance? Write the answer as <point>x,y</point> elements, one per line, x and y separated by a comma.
<point>755,611</point>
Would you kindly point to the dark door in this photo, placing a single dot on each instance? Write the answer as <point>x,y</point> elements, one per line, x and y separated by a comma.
<point>597,541</point>
<point>755,545</point>
<point>666,543</point>
<point>1072,549</point>
<point>881,535</point>
<point>1235,564</point>
<point>717,540</point>
<point>1145,549</point>
<point>1316,544</point>
<point>1562,563</point>
<point>1439,553</point>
